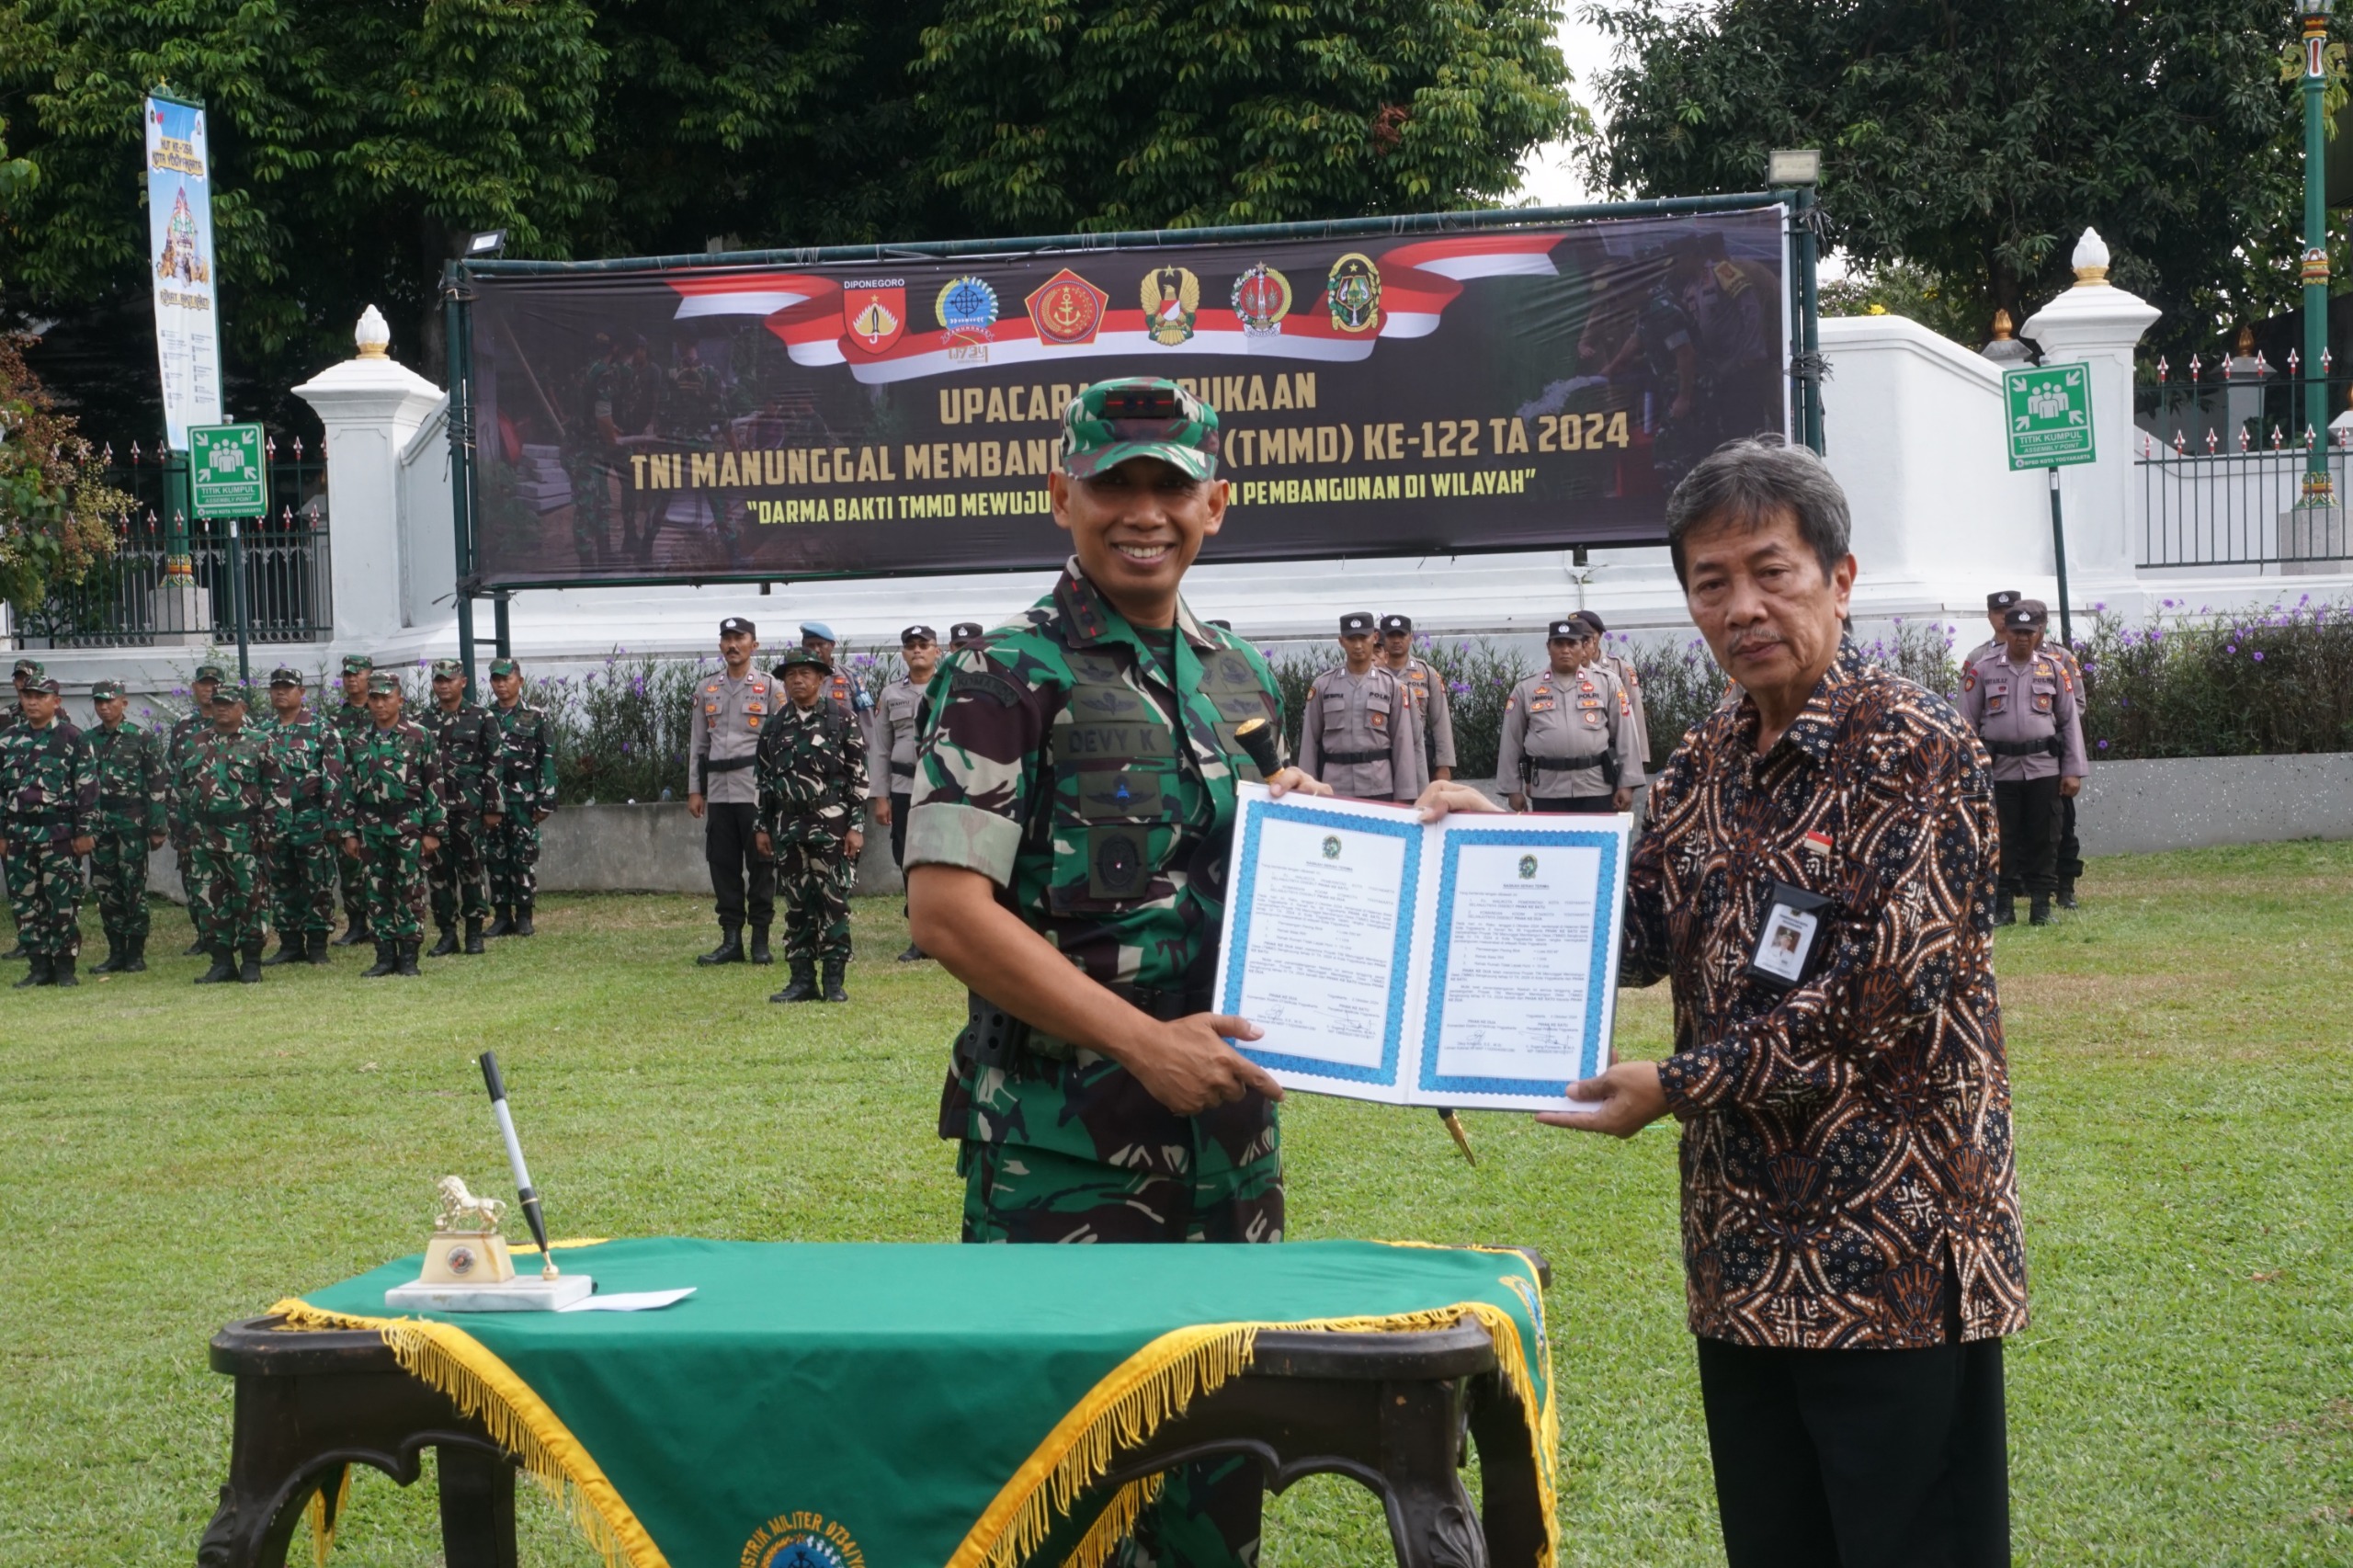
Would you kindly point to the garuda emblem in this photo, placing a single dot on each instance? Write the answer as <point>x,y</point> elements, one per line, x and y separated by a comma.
<point>1171,298</point>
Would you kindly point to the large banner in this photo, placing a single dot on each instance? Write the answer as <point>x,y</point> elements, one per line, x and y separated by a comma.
<point>179,235</point>
<point>1494,388</point>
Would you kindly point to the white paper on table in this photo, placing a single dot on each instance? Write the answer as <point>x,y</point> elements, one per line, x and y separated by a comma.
<point>1470,962</point>
<point>628,1300</point>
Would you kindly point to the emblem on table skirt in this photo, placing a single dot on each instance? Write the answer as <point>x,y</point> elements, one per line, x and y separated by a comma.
<point>801,1539</point>
<point>1171,297</point>
<point>1261,299</point>
<point>967,310</point>
<point>1067,310</point>
<point>1352,291</point>
<point>877,315</point>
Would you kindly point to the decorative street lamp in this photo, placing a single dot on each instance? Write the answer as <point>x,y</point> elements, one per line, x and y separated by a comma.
<point>2318,489</point>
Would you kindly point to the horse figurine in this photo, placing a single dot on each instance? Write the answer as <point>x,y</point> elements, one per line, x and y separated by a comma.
<point>462,1211</point>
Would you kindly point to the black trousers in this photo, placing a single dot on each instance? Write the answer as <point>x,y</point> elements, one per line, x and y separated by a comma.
<point>901,803</point>
<point>729,835</point>
<point>1582,804</point>
<point>2029,812</point>
<point>2071,849</point>
<point>1860,1458</point>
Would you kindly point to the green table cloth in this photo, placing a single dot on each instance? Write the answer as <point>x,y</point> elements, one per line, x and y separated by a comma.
<point>901,1405</point>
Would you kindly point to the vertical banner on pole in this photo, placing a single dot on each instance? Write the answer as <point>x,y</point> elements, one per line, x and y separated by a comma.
<point>180,229</point>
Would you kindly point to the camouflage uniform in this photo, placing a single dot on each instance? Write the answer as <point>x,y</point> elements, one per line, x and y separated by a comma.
<point>527,781</point>
<point>48,791</point>
<point>394,778</point>
<point>232,805</point>
<point>132,788</point>
<point>587,459</point>
<point>348,719</point>
<point>185,734</point>
<point>466,739</point>
<point>309,753</point>
<point>812,774</point>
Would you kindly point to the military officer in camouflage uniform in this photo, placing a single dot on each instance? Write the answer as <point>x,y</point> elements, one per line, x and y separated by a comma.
<point>394,775</point>
<point>350,719</point>
<point>852,701</point>
<point>308,749</point>
<point>49,791</point>
<point>1066,854</point>
<point>467,737</point>
<point>234,806</point>
<point>185,732</point>
<point>26,672</point>
<point>1567,741</point>
<point>526,781</point>
<point>811,777</point>
<point>1426,690</point>
<point>1358,732</point>
<point>132,818</point>
<point>897,716</point>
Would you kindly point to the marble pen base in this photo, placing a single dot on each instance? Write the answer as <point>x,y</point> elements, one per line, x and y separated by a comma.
<point>521,1294</point>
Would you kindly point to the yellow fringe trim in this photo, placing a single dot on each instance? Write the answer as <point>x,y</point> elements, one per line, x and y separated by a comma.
<point>324,1519</point>
<point>520,1249</point>
<point>452,1361</point>
<point>1156,1384</point>
<point>1113,1524</point>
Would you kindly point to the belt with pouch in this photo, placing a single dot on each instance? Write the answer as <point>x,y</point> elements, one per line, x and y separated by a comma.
<point>727,764</point>
<point>2048,746</point>
<point>1605,760</point>
<point>994,1038</point>
<point>1356,758</point>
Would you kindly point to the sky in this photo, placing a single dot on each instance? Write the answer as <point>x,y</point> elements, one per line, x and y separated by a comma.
<point>1546,177</point>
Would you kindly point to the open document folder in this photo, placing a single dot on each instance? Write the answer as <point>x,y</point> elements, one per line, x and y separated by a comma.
<point>1472,962</point>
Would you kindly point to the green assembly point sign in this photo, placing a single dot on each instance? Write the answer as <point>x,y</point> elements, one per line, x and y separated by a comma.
<point>2050,416</point>
<point>225,473</point>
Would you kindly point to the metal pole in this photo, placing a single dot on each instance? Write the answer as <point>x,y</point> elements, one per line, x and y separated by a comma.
<point>2059,554</point>
<point>238,601</point>
<point>1809,327</point>
<point>456,324</point>
<point>499,622</point>
<point>2317,489</point>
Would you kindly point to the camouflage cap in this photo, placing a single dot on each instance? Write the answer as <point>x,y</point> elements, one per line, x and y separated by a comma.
<point>383,680</point>
<point>228,694</point>
<point>48,683</point>
<point>30,669</point>
<point>800,656</point>
<point>358,663</point>
<point>286,674</point>
<point>210,672</point>
<point>105,690</point>
<point>1139,416</point>
<point>505,668</point>
<point>448,669</point>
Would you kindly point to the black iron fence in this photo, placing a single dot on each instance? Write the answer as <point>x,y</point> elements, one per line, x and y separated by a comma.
<point>149,592</point>
<point>2225,452</point>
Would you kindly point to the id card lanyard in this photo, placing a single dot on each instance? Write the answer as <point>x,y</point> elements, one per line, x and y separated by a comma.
<point>1791,938</point>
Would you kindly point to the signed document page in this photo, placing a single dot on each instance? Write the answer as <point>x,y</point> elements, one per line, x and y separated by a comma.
<point>1470,962</point>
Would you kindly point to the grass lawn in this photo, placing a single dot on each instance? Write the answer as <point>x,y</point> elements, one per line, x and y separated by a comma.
<point>178,1157</point>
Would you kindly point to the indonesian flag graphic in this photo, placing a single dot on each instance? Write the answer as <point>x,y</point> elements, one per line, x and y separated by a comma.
<point>821,324</point>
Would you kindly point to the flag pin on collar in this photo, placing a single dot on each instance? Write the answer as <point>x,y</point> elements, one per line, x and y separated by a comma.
<point>1818,846</point>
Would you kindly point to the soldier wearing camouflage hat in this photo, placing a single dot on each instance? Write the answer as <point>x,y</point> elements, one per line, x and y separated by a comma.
<point>27,671</point>
<point>309,750</point>
<point>232,805</point>
<point>811,779</point>
<point>393,770</point>
<point>350,719</point>
<point>526,779</point>
<point>1071,795</point>
<point>186,731</point>
<point>133,789</point>
<point>49,818</point>
<point>467,740</point>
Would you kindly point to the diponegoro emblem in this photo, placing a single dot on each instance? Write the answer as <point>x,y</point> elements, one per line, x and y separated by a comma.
<point>1067,310</point>
<point>876,316</point>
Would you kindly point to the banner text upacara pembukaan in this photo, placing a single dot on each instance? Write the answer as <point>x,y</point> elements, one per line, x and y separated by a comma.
<point>1492,390</point>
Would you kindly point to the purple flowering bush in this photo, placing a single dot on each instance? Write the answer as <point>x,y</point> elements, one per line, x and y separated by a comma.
<point>1478,677</point>
<point>622,731</point>
<point>2234,683</point>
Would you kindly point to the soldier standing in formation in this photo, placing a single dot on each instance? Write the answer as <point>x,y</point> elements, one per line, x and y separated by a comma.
<point>730,710</point>
<point>896,719</point>
<point>308,750</point>
<point>397,819</point>
<point>466,741</point>
<point>1426,690</point>
<point>49,790</point>
<point>1356,731</point>
<point>812,779</point>
<point>1630,686</point>
<point>526,783</point>
<point>852,701</point>
<point>185,732</point>
<point>26,671</point>
<point>1567,741</point>
<point>132,791</point>
<point>2018,702</point>
<point>2068,866</point>
<point>232,805</point>
<point>350,721</point>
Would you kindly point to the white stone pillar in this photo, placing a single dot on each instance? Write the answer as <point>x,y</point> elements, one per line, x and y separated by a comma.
<point>371,406</point>
<point>2099,325</point>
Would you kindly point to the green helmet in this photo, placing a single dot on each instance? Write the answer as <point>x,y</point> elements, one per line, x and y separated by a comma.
<point>1139,416</point>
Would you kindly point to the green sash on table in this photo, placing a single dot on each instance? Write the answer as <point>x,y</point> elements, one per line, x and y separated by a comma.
<point>904,1405</point>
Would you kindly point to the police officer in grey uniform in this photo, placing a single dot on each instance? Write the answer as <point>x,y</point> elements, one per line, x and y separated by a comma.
<point>1630,684</point>
<point>2070,866</point>
<point>1426,689</point>
<point>897,716</point>
<point>1568,733</point>
<point>2023,707</point>
<point>1357,730</point>
<point>731,708</point>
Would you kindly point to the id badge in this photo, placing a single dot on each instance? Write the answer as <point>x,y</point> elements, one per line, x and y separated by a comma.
<point>1788,937</point>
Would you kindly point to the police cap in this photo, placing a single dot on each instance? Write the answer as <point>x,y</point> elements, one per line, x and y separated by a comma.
<point>735,623</point>
<point>1389,623</point>
<point>918,633</point>
<point>965,632</point>
<point>2002,599</point>
<point>1570,629</point>
<point>2027,615</point>
<point>1592,621</point>
<point>1356,623</point>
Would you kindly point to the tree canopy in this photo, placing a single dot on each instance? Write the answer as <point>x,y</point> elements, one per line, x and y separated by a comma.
<point>1975,138</point>
<point>356,142</point>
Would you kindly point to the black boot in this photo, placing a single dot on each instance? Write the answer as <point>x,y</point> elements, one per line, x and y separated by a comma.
<point>2067,894</point>
<point>61,970</point>
<point>523,918</point>
<point>2005,909</point>
<point>502,920</point>
<point>224,966</point>
<point>387,961</point>
<point>834,992</point>
<point>314,949</point>
<point>731,945</point>
<point>290,949</point>
<point>446,945</point>
<point>134,956</point>
<point>474,934</point>
<point>760,953</point>
<point>802,985</point>
<point>2040,914</point>
<point>408,946</point>
<point>912,955</point>
<point>195,950</point>
<point>112,963</point>
<point>249,971</point>
<point>353,935</point>
<point>37,973</point>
